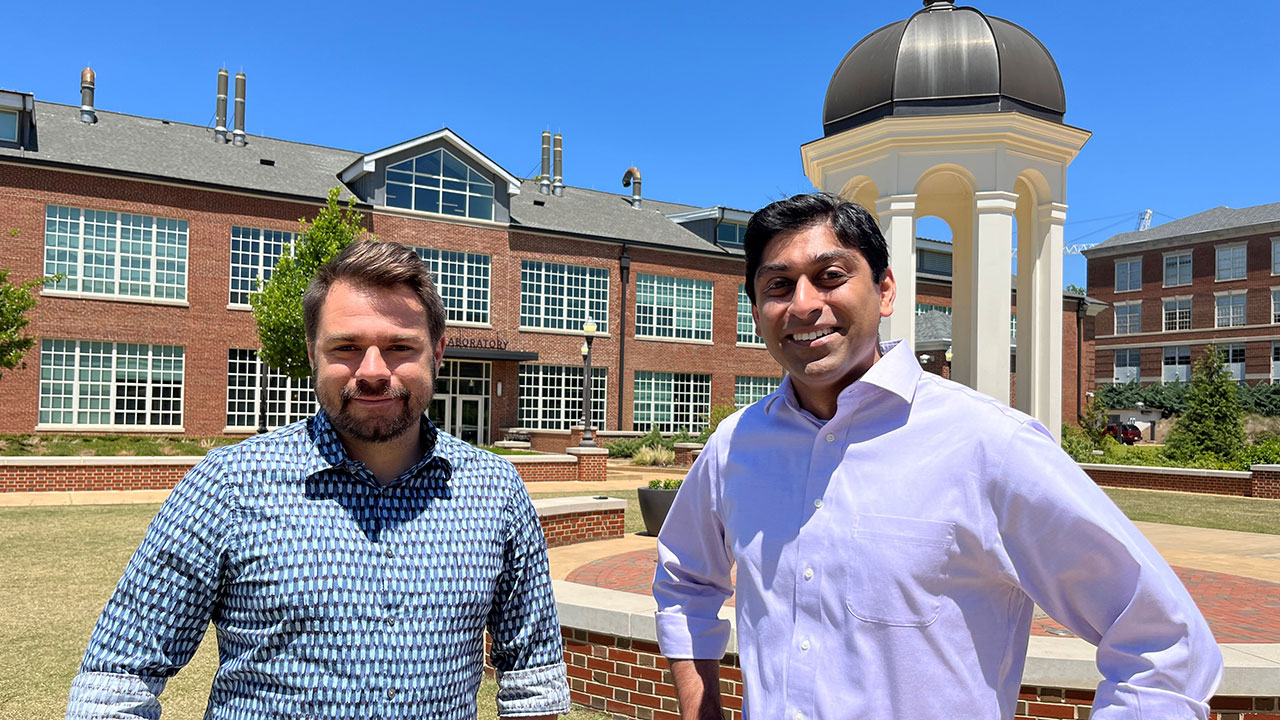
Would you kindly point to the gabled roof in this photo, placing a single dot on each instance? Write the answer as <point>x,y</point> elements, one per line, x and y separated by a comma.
<point>366,163</point>
<point>1217,219</point>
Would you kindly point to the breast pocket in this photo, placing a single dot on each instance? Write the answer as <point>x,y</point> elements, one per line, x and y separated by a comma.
<point>897,569</point>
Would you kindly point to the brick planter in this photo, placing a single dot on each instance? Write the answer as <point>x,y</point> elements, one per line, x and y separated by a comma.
<point>570,520</point>
<point>1260,481</point>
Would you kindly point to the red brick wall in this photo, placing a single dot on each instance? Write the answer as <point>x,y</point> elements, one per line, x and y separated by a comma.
<point>1266,484</point>
<point>1043,703</point>
<point>582,527</point>
<point>1121,476</point>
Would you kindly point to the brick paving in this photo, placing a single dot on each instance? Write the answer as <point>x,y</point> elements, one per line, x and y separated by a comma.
<point>1239,609</point>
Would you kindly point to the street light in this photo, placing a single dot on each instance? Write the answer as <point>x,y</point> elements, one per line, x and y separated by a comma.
<point>588,333</point>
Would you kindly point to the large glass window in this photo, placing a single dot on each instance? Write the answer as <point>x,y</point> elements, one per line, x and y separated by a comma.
<point>671,401</point>
<point>746,325</point>
<point>116,254</point>
<point>1176,364</point>
<point>254,254</point>
<point>107,385</point>
<point>8,126</point>
<point>1233,360</point>
<point>1177,269</point>
<point>1229,309</point>
<point>922,308</point>
<point>1275,306</point>
<point>1127,368</point>
<point>748,389</point>
<point>556,296</point>
<point>288,400</point>
<point>462,279</point>
<point>438,182</point>
<point>1275,361</point>
<point>1275,256</point>
<point>551,396</point>
<point>1128,275</point>
<point>730,233</point>
<point>1230,262</point>
<point>1128,318</point>
<point>675,308</point>
<point>1177,313</point>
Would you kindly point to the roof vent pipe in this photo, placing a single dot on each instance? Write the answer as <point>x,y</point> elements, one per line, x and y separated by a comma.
<point>557,181</point>
<point>220,130</point>
<point>544,178</point>
<point>87,114</point>
<point>631,179</point>
<point>238,133</point>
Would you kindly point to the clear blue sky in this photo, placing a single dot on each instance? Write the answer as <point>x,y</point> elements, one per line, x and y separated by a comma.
<point>710,101</point>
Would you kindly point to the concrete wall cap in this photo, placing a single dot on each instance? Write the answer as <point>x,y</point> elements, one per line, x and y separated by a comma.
<point>539,459</point>
<point>1193,472</point>
<point>513,444</point>
<point>689,446</point>
<point>552,507</point>
<point>586,451</point>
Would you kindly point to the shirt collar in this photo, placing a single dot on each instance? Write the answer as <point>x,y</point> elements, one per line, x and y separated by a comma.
<point>896,372</point>
<point>325,450</point>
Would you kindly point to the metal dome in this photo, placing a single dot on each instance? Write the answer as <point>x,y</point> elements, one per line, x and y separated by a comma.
<point>944,60</point>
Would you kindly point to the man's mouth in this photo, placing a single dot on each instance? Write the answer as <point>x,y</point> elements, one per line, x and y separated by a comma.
<point>814,335</point>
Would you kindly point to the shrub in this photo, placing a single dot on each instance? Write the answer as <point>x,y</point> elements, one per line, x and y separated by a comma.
<point>713,419</point>
<point>1077,444</point>
<point>1213,424</point>
<point>666,484</point>
<point>629,448</point>
<point>654,457</point>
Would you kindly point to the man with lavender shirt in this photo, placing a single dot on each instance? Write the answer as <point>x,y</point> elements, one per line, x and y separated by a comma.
<point>892,530</point>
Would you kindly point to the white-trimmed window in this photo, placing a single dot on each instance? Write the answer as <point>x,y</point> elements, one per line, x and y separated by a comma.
<point>1176,365</point>
<point>1128,317</point>
<point>922,308</point>
<point>136,257</point>
<point>673,308</point>
<point>748,389</point>
<point>1128,275</point>
<point>8,126</point>
<point>1177,268</point>
<point>87,384</point>
<point>1233,361</point>
<point>1275,256</point>
<point>746,325</point>
<point>555,296</point>
<point>1229,263</point>
<point>551,396</point>
<point>1177,313</point>
<point>1275,361</point>
<point>1275,306</point>
<point>1229,308</point>
<point>439,182</point>
<point>1127,366</point>
<point>288,400</point>
<point>730,233</point>
<point>462,279</point>
<point>254,254</point>
<point>671,401</point>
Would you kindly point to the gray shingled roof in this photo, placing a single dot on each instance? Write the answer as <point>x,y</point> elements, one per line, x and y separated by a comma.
<point>933,325</point>
<point>175,151</point>
<point>1219,218</point>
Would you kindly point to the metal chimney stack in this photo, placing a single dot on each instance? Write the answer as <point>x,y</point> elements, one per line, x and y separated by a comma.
<point>557,181</point>
<point>238,133</point>
<point>544,179</point>
<point>87,114</point>
<point>631,179</point>
<point>220,131</point>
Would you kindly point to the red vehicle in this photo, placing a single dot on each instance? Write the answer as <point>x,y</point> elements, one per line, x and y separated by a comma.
<point>1124,432</point>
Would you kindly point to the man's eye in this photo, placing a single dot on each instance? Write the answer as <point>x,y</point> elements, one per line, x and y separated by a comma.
<point>777,284</point>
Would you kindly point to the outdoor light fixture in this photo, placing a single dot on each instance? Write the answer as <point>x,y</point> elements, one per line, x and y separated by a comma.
<point>948,355</point>
<point>926,358</point>
<point>588,333</point>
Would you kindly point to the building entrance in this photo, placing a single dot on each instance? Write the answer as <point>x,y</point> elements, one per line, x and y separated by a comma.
<point>461,403</point>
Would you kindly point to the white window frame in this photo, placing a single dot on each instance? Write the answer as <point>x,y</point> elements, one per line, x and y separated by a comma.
<point>557,309</point>
<point>108,250</point>
<point>659,315</point>
<point>1234,366</point>
<point>81,379</point>
<point>747,336</point>
<point>1178,256</point>
<point>1275,361</point>
<point>1128,328</point>
<point>1275,305</point>
<point>1218,268</point>
<point>1132,373</point>
<point>472,188</point>
<point>1128,264</point>
<point>655,401</point>
<point>466,289</point>
<point>1241,304</point>
<point>1181,313</point>
<point>249,246</point>
<point>1181,365</point>
<point>288,400</point>
<point>750,388</point>
<point>17,126</point>
<point>551,396</point>
<point>1275,256</point>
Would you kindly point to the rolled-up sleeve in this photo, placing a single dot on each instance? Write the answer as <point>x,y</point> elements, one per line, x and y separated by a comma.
<point>1080,559</point>
<point>692,580</point>
<point>156,617</point>
<point>526,652</point>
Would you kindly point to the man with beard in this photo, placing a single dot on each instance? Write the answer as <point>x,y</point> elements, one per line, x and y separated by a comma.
<point>350,563</point>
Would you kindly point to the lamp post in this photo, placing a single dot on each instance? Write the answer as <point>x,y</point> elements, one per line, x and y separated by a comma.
<point>588,332</point>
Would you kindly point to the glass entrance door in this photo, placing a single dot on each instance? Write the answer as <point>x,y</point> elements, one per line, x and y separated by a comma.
<point>461,403</point>
<point>440,412</point>
<point>471,426</point>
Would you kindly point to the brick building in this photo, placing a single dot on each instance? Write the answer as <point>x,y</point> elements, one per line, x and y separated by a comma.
<point>1172,290</point>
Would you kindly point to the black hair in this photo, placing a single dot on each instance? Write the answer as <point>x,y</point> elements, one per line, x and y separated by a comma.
<point>853,226</point>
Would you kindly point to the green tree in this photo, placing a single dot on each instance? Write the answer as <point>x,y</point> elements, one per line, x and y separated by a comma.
<point>1075,289</point>
<point>1093,419</point>
<point>15,301</point>
<point>277,303</point>
<point>1213,423</point>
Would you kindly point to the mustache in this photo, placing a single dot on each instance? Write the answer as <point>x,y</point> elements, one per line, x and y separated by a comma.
<point>364,389</point>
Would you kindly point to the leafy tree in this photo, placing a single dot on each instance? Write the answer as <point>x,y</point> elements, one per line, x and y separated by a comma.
<point>712,421</point>
<point>1075,289</point>
<point>1212,428</point>
<point>1093,419</point>
<point>15,301</point>
<point>277,303</point>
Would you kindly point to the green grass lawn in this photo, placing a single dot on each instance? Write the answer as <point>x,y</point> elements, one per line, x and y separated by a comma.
<point>66,445</point>
<point>1207,511</point>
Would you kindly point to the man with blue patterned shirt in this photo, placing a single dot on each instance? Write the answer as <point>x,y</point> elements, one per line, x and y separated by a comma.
<point>352,562</point>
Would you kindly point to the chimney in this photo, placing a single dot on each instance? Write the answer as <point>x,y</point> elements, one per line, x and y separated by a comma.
<point>631,179</point>
<point>238,133</point>
<point>220,131</point>
<point>87,115</point>
<point>544,180</point>
<point>557,181</point>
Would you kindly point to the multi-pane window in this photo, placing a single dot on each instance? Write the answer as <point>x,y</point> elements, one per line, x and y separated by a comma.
<point>746,325</point>
<point>1230,262</point>
<point>670,307</point>
<point>556,296</point>
<point>933,262</point>
<point>1127,368</point>
<point>671,401</point>
<point>551,396</point>
<point>438,182</point>
<point>1229,309</point>
<point>116,254</point>
<point>254,254</point>
<point>288,400</point>
<point>1275,306</point>
<point>8,126</point>
<point>1128,274</point>
<point>103,384</point>
<point>1275,256</point>
<point>1128,318</point>
<point>730,233</point>
<point>748,389</point>
<point>462,279</point>
<point>1233,360</point>
<point>1177,313</point>
<point>1176,365</point>
<point>1177,269</point>
<point>1275,361</point>
<point>922,308</point>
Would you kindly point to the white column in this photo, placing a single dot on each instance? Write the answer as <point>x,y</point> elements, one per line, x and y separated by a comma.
<point>992,254</point>
<point>1045,381</point>
<point>898,223</point>
<point>962,296</point>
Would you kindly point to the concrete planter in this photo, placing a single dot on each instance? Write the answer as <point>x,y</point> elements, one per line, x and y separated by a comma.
<point>654,505</point>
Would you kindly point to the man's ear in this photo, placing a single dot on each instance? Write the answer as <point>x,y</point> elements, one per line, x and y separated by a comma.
<point>888,292</point>
<point>437,354</point>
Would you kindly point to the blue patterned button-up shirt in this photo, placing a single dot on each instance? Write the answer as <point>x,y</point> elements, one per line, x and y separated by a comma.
<point>332,596</point>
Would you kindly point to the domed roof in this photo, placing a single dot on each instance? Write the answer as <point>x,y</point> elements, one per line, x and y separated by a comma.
<point>944,60</point>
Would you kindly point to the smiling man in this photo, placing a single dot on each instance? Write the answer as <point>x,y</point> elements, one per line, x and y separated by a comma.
<point>892,530</point>
<point>350,563</point>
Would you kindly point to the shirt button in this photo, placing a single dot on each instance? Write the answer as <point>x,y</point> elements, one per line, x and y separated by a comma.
<point>817,503</point>
<point>808,573</point>
<point>798,716</point>
<point>389,553</point>
<point>391,693</point>
<point>831,438</point>
<point>805,646</point>
<point>391,621</point>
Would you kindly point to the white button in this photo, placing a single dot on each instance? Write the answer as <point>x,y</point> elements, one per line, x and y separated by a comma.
<point>817,503</point>
<point>808,573</point>
<point>798,716</point>
<point>831,438</point>
<point>805,646</point>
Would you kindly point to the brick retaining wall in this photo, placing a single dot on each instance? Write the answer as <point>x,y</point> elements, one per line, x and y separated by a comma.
<point>583,527</point>
<point>1260,481</point>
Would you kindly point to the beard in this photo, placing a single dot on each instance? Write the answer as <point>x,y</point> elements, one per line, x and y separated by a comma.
<point>376,429</point>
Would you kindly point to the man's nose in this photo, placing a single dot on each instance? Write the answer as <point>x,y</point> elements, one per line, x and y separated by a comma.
<point>806,299</point>
<point>372,367</point>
